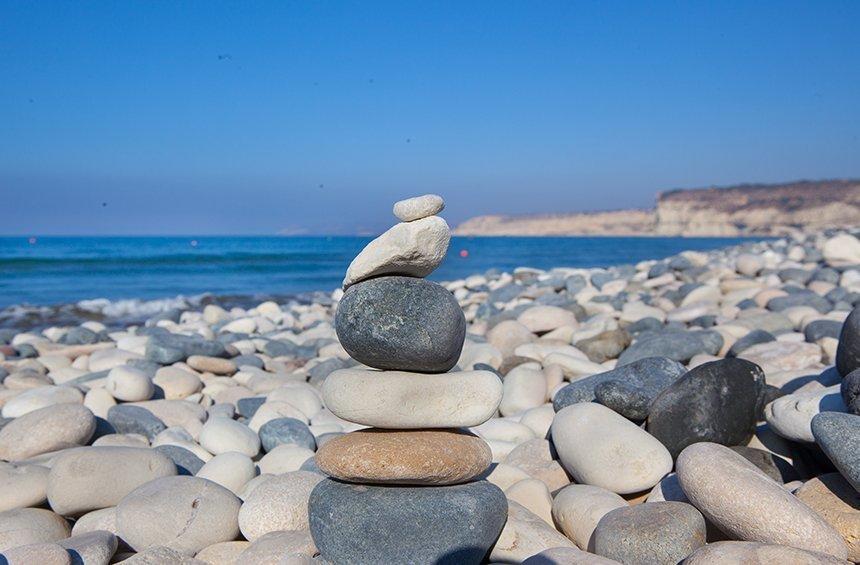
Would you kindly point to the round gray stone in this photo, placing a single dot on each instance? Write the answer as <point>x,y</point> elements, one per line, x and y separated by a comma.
<point>286,431</point>
<point>838,435</point>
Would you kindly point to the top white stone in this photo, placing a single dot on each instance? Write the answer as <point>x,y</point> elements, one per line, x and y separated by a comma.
<point>418,207</point>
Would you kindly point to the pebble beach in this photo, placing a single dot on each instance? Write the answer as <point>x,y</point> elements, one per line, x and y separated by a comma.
<point>698,409</point>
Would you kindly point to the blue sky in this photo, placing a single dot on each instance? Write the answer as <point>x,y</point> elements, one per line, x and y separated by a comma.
<point>255,117</point>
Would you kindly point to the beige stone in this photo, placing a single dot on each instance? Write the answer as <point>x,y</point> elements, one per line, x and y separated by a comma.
<point>24,526</point>
<point>418,207</point>
<point>578,508</point>
<point>535,457</point>
<point>48,429</point>
<point>835,500</point>
<point>524,535</point>
<point>278,504</point>
<point>754,553</point>
<point>22,486</point>
<point>214,365</point>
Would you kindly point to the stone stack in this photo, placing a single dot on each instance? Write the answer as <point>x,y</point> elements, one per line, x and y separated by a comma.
<point>406,489</point>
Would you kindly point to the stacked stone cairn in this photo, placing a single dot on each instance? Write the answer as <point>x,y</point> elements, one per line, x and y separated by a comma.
<point>406,489</point>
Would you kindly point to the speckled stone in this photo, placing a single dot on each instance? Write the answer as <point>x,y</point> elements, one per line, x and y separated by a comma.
<point>838,435</point>
<point>848,352</point>
<point>659,532</point>
<point>754,553</point>
<point>128,419</point>
<point>409,457</point>
<point>401,323</point>
<point>835,500</point>
<point>381,525</point>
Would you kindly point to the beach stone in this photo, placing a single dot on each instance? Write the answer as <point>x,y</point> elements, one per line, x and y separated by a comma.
<point>275,410</point>
<point>819,329</point>
<point>507,335</point>
<point>533,495</point>
<point>185,514</point>
<point>279,547</point>
<point>408,457</point>
<point>543,319</point>
<point>716,401</point>
<point>90,478</point>
<point>835,500</point>
<point>440,524</point>
<point>413,249</point>
<point>677,345</point>
<point>764,460</point>
<point>47,429</point>
<point>24,526</point>
<point>129,384</point>
<point>160,555</point>
<point>602,448</point>
<point>660,532</point>
<point>838,435</point>
<point>247,407</point>
<point>418,207</point>
<point>577,509</point>
<point>96,548</point>
<point>848,351</point>
<point>566,556</point>
<point>401,323</point>
<point>525,387</point>
<point>169,348</point>
<point>753,338</point>
<point>754,553</point>
<point>222,553</point>
<point>525,534</point>
<point>401,400</point>
<point>177,383</point>
<point>285,458</point>
<point>279,504</point>
<point>783,355</point>
<point>850,391</point>
<point>629,390</point>
<point>186,462</point>
<point>128,419</point>
<point>41,553</point>
<point>22,486</point>
<point>231,470</point>
<point>604,346</point>
<point>220,435</point>
<point>40,397</point>
<point>282,431</point>
<point>537,457</point>
<point>103,519</point>
<point>749,264</point>
<point>208,364</point>
<point>747,505</point>
<point>791,415</point>
<point>842,249</point>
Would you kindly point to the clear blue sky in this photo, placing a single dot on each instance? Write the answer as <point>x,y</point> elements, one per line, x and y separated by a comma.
<point>253,117</point>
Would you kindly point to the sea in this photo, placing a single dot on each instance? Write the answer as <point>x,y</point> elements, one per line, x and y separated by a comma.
<point>121,280</point>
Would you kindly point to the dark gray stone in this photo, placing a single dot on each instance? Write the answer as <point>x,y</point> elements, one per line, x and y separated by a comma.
<point>747,304</point>
<point>168,348</point>
<point>848,351</point>
<point>286,348</point>
<point>678,345</point>
<point>286,431</point>
<point>505,293</point>
<point>128,419</point>
<point>764,460</point>
<point>712,341</point>
<point>800,276</point>
<point>648,324</point>
<point>401,323</point>
<point>186,462</point>
<point>850,389</point>
<point>716,401</point>
<point>656,532</point>
<point>706,321</point>
<point>633,387</point>
<point>818,329</point>
<point>446,525</point>
<point>679,263</point>
<point>26,351</point>
<point>753,338</point>
<point>838,435</point>
<point>247,407</point>
<point>826,274</point>
<point>171,315</point>
<point>801,298</point>
<point>79,336</point>
<point>7,335</point>
<point>657,269</point>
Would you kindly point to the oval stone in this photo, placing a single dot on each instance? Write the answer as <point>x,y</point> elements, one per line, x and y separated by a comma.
<point>184,514</point>
<point>24,526</point>
<point>839,437</point>
<point>746,504</point>
<point>602,448</point>
<point>413,457</point>
<point>48,429</point>
<point>401,323</point>
<point>89,478</point>
<point>658,532</point>
<point>455,524</point>
<point>401,400</point>
<point>753,553</point>
<point>22,486</point>
<point>848,351</point>
<point>716,402</point>
<point>278,504</point>
<point>577,509</point>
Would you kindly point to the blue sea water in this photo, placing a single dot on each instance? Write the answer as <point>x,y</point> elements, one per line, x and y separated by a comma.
<point>63,270</point>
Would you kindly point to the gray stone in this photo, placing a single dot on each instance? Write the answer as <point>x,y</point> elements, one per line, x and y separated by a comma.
<point>629,389</point>
<point>381,525</point>
<point>838,435</point>
<point>128,419</point>
<point>803,298</point>
<point>247,407</point>
<point>79,336</point>
<point>657,532</point>
<point>169,348</point>
<point>186,462</point>
<point>850,391</point>
<point>716,402</point>
<point>848,351</point>
<point>678,345</point>
<point>401,323</point>
<point>753,338</point>
<point>818,329</point>
<point>286,431</point>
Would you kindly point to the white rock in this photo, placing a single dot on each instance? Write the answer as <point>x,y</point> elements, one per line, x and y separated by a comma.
<point>22,486</point>
<point>542,319</point>
<point>534,496</point>
<point>842,249</point>
<point>749,264</point>
<point>599,447</point>
<point>231,470</point>
<point>177,383</point>
<point>129,384</point>
<point>47,429</point>
<point>524,535</point>
<point>284,459</point>
<point>99,401</point>
<point>24,526</point>
<point>524,388</point>
<point>418,207</point>
<point>272,410</point>
<point>278,504</point>
<point>578,508</point>
<point>411,248</point>
<point>402,400</point>
<point>41,397</point>
<point>220,435</point>
<point>791,415</point>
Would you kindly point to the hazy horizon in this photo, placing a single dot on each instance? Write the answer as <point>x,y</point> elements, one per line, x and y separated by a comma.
<point>231,119</point>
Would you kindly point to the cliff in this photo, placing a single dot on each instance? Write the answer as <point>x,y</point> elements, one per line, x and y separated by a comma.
<point>753,209</point>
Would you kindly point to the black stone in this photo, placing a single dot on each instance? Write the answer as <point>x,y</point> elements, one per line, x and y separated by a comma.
<point>848,351</point>
<point>446,525</point>
<point>850,390</point>
<point>401,323</point>
<point>716,402</point>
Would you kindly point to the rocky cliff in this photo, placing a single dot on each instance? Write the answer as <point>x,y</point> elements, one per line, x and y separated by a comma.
<point>738,210</point>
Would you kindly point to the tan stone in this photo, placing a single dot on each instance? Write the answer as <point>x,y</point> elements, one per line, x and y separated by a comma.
<point>535,458</point>
<point>835,500</point>
<point>214,365</point>
<point>414,457</point>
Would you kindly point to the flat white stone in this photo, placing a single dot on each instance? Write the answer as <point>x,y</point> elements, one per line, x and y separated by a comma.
<point>403,400</point>
<point>418,207</point>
